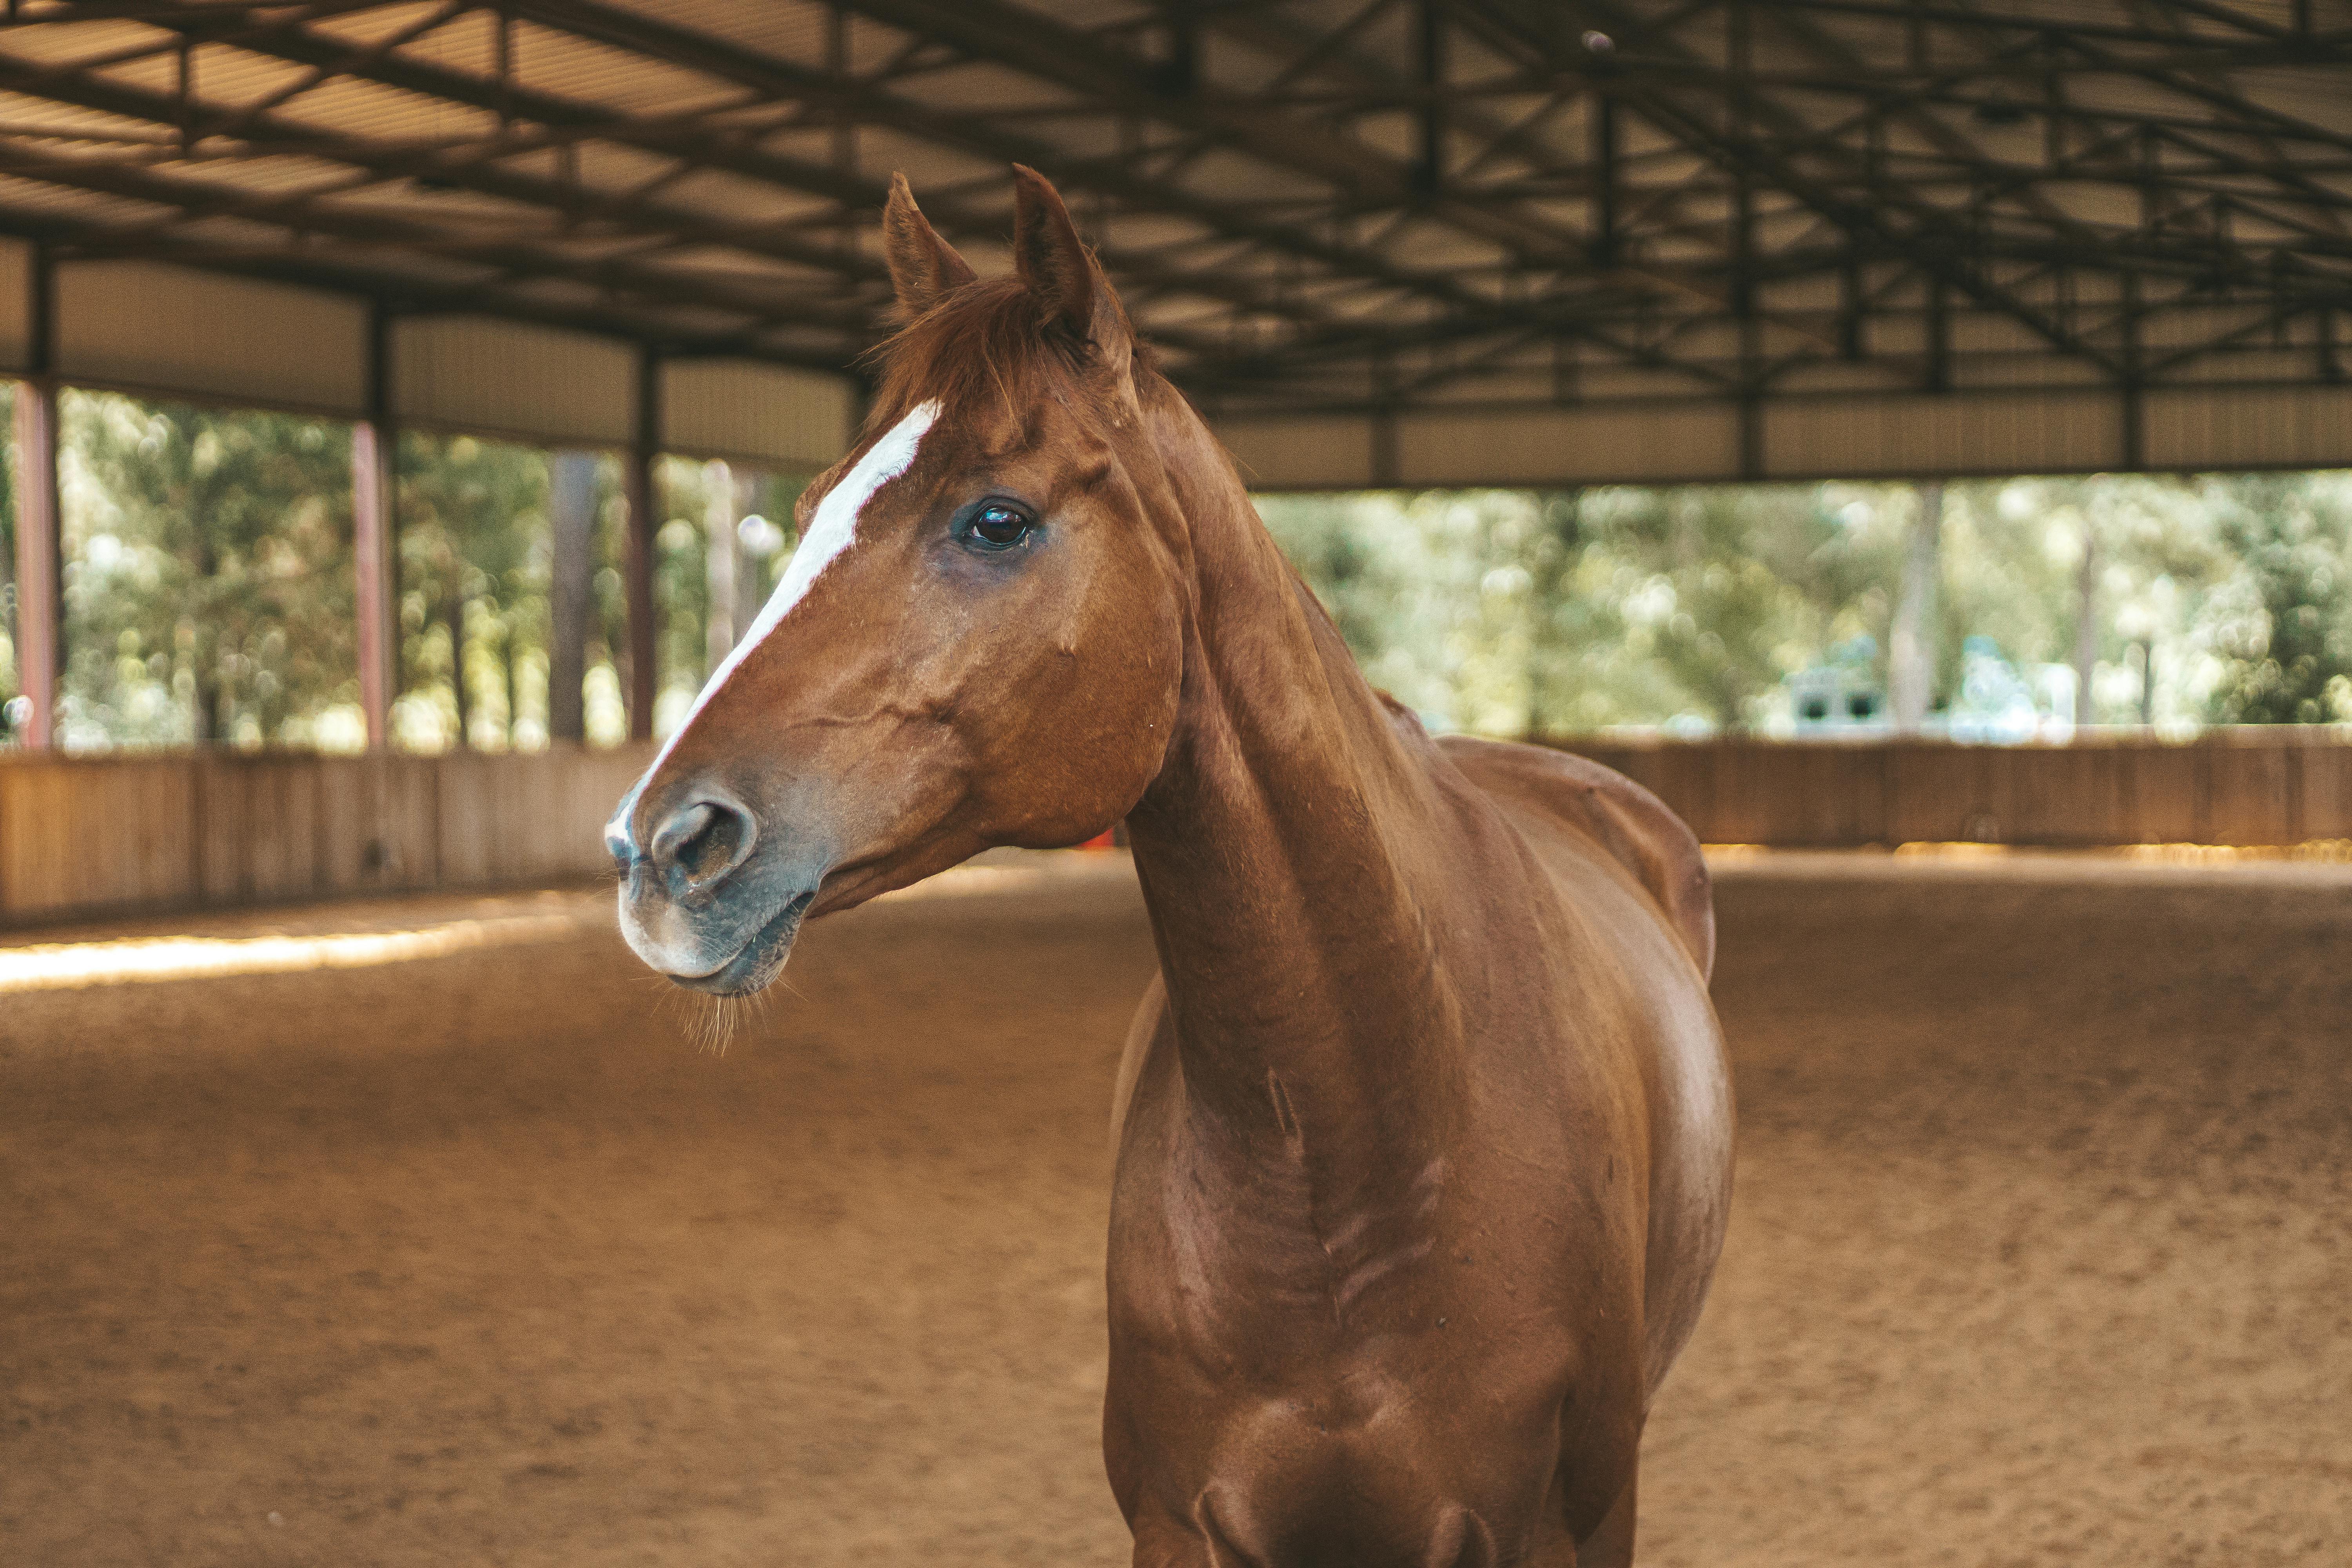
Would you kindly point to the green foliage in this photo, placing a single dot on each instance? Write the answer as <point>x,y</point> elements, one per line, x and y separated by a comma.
<point>2224,598</point>
<point>1508,613</point>
<point>207,576</point>
<point>689,490</point>
<point>1732,591</point>
<point>2012,572</point>
<point>209,589</point>
<point>477,560</point>
<point>475,556</point>
<point>2281,627</point>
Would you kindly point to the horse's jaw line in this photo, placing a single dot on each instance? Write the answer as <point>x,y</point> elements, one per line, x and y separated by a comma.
<point>832,530</point>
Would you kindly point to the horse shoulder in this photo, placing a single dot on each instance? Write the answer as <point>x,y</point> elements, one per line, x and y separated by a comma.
<point>1626,822</point>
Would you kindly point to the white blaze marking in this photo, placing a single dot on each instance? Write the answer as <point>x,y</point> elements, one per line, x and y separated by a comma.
<point>831,532</point>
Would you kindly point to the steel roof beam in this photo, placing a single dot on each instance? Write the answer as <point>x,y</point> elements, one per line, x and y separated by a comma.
<point>626,29</point>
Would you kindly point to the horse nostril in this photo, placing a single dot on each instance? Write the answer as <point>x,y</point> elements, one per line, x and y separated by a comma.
<point>701,842</point>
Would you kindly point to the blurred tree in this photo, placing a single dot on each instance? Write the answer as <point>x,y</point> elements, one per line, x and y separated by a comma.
<point>2280,626</point>
<point>1507,612</point>
<point>1739,588</point>
<point>207,576</point>
<point>209,589</point>
<point>693,493</point>
<point>474,543</point>
<point>2223,598</point>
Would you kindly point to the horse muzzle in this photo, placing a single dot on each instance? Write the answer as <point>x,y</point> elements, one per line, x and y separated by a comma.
<point>706,897</point>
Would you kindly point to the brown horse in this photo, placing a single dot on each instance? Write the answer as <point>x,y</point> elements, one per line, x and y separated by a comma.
<point>1423,1133</point>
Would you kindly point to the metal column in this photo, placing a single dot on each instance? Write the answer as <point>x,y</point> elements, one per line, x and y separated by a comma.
<point>638,563</point>
<point>571,516</point>
<point>375,526</point>
<point>40,603</point>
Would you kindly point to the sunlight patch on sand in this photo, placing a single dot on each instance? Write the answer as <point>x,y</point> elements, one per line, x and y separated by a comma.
<point>68,966</point>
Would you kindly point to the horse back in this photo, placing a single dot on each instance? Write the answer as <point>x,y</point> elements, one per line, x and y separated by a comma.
<point>1626,822</point>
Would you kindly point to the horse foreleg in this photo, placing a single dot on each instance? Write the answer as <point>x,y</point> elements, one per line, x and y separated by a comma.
<point>1612,1545</point>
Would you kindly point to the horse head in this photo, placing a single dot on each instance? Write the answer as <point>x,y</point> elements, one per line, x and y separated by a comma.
<point>978,642</point>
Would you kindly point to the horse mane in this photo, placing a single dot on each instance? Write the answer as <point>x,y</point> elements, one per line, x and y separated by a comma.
<point>986,341</point>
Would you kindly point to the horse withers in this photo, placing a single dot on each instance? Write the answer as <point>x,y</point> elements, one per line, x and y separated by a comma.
<point>1423,1130</point>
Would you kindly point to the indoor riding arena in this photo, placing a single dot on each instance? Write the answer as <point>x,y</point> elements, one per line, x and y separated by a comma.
<point>1910,441</point>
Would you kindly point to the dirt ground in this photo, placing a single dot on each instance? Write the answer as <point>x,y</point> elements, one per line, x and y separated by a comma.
<point>2040,1253</point>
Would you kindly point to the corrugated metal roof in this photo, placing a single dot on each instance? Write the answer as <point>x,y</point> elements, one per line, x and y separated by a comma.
<point>1317,204</point>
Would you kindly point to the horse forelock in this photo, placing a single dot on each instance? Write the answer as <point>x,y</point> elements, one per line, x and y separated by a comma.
<point>985,350</point>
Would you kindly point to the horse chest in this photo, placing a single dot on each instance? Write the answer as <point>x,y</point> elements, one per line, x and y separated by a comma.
<point>1365,1384</point>
<point>1387,1455</point>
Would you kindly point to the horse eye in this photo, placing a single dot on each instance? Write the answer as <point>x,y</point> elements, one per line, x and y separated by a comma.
<point>998,527</point>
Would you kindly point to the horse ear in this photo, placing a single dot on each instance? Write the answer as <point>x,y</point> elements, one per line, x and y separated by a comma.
<point>923,266</point>
<point>1057,269</point>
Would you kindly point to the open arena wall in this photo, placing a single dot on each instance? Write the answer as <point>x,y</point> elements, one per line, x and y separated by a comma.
<point>180,830</point>
<point>2254,786</point>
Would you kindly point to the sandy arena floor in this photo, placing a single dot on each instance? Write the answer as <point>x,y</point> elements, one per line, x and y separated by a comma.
<point>2040,1253</point>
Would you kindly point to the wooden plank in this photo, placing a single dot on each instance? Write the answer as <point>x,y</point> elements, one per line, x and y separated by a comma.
<point>1733,814</point>
<point>2327,791</point>
<point>35,831</point>
<point>282,827</point>
<point>1800,796</point>
<point>579,777</point>
<point>165,811</point>
<point>2250,793</point>
<point>570,835</point>
<point>2068,795</point>
<point>1683,777</point>
<point>529,817</point>
<point>90,835</point>
<point>408,845</point>
<point>1859,780</point>
<point>464,818</point>
<point>221,817</point>
<point>1945,793</point>
<point>126,833</point>
<point>347,813</point>
<point>1809,791</point>
<point>2168,796</point>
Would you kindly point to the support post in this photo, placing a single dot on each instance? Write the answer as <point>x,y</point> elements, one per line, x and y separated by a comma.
<point>1743,284</point>
<point>572,506</point>
<point>1603,194</point>
<point>1180,73</point>
<point>1850,306</point>
<point>40,599</point>
<point>638,563</point>
<point>374,533</point>
<point>1939,338</point>
<point>40,605</point>
<point>1429,169</point>
<point>1911,656</point>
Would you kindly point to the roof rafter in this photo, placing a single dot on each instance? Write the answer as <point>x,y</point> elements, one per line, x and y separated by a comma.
<point>1383,203</point>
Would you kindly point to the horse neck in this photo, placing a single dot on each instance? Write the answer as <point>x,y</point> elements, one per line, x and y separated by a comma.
<point>1284,847</point>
